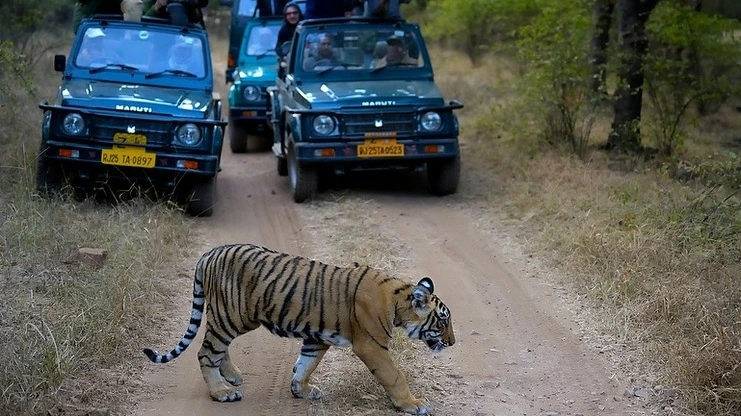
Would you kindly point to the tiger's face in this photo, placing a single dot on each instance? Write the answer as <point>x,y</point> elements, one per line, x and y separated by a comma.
<point>439,330</point>
<point>433,323</point>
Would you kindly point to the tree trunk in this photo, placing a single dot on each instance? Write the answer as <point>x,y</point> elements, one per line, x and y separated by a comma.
<point>602,20</point>
<point>632,17</point>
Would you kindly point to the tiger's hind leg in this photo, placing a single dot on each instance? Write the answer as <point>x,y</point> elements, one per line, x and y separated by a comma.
<point>230,371</point>
<point>217,368</point>
<point>309,357</point>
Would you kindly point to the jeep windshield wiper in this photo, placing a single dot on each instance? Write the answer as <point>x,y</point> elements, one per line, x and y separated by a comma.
<point>120,66</point>
<point>171,71</point>
<point>378,68</point>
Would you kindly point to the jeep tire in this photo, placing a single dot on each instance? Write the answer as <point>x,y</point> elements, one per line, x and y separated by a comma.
<point>200,202</point>
<point>302,179</point>
<point>443,176</point>
<point>237,137</point>
<point>282,166</point>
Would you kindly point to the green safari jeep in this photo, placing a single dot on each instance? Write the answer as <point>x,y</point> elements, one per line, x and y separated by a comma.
<point>359,94</point>
<point>135,107</point>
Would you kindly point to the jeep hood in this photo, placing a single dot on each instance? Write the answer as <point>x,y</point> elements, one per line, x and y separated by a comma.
<point>376,93</point>
<point>131,98</point>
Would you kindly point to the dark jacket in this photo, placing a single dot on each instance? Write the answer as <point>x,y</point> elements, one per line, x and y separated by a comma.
<point>287,30</point>
<point>264,9</point>
<point>319,9</point>
<point>193,10</point>
<point>87,8</point>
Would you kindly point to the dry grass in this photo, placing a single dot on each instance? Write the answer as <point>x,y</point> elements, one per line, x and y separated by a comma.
<point>67,329</point>
<point>658,259</point>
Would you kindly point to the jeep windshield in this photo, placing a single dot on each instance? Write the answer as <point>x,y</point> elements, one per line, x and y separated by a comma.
<point>147,51</point>
<point>365,49</point>
<point>261,40</point>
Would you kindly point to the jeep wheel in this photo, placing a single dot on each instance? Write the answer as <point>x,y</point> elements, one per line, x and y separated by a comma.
<point>237,137</point>
<point>282,166</point>
<point>443,176</point>
<point>202,197</point>
<point>49,176</point>
<point>303,179</point>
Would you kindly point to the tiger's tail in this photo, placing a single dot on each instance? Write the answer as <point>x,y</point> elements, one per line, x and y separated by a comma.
<point>196,316</point>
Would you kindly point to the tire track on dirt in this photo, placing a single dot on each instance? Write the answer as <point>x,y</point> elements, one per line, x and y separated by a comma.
<point>521,349</point>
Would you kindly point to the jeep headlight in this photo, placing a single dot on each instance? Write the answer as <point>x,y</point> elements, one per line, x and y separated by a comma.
<point>188,134</point>
<point>73,124</point>
<point>431,121</point>
<point>323,125</point>
<point>251,93</point>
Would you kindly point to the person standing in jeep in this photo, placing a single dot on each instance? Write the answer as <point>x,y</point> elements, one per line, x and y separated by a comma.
<point>130,9</point>
<point>158,8</point>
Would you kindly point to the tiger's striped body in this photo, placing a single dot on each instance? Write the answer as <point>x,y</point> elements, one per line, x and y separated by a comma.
<point>245,286</point>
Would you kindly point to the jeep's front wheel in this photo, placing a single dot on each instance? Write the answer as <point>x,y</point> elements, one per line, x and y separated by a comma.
<point>49,175</point>
<point>443,176</point>
<point>201,199</point>
<point>282,166</point>
<point>303,179</point>
<point>237,137</point>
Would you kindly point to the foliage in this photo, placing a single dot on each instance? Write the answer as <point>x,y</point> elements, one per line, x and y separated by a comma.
<point>554,49</point>
<point>693,59</point>
<point>474,25</point>
<point>23,20</point>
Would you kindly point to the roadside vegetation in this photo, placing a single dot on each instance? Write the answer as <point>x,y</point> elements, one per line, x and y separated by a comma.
<point>648,234</point>
<point>67,328</point>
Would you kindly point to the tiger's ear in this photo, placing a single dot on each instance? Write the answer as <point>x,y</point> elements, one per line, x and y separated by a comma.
<point>421,293</point>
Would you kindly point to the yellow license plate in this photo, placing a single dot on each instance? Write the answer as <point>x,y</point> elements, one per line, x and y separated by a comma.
<point>128,156</point>
<point>380,148</point>
<point>129,138</point>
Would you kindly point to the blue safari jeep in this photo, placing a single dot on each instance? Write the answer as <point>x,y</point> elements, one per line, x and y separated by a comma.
<point>135,106</point>
<point>257,69</point>
<point>359,94</point>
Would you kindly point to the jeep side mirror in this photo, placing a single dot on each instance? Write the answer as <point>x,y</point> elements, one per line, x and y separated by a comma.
<point>60,61</point>
<point>285,49</point>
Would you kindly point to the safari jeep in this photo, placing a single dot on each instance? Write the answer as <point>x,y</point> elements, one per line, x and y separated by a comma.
<point>257,69</point>
<point>135,106</point>
<point>359,94</point>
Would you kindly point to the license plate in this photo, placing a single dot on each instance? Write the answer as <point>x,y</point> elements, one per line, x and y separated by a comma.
<point>380,148</point>
<point>128,156</point>
<point>129,138</point>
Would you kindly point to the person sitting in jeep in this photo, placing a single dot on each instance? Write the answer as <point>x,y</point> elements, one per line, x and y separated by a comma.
<point>325,55</point>
<point>396,54</point>
<point>93,52</point>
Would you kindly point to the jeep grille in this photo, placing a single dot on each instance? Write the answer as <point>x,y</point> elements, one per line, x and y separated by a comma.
<point>401,123</point>
<point>157,132</point>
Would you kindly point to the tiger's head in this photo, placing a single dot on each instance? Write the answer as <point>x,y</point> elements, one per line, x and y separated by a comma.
<point>430,319</point>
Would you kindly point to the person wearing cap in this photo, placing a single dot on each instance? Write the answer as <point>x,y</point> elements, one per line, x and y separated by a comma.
<point>194,14</point>
<point>396,54</point>
<point>92,49</point>
<point>181,56</point>
<point>130,9</point>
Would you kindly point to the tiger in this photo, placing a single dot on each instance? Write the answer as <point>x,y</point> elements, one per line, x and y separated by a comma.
<point>244,286</point>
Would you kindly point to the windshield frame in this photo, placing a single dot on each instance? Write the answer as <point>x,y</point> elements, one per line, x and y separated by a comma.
<point>141,32</point>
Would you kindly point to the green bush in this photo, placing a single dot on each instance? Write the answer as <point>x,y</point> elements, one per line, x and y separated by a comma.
<point>694,58</point>
<point>473,26</point>
<point>554,50</point>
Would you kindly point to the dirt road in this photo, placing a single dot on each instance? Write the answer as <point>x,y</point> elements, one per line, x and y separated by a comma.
<point>518,351</point>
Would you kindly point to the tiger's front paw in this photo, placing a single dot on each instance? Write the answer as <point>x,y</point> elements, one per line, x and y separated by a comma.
<point>306,391</point>
<point>414,406</point>
<point>226,394</point>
